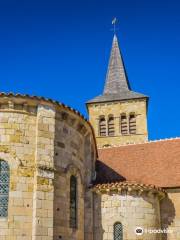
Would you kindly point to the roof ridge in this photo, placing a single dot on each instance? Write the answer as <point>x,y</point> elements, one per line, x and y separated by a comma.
<point>141,143</point>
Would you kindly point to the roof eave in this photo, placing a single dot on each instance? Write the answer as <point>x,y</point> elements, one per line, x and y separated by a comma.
<point>116,100</point>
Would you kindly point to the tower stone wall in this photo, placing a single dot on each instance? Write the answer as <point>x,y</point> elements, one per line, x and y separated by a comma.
<point>138,107</point>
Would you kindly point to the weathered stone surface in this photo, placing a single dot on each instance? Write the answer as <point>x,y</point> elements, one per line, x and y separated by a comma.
<point>130,211</point>
<point>170,214</point>
<point>116,109</point>
<point>43,151</point>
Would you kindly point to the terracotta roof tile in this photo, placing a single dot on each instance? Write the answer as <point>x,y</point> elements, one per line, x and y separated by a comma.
<point>130,186</point>
<point>156,163</point>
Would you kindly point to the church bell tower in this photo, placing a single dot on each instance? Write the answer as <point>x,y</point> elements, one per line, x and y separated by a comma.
<point>119,115</point>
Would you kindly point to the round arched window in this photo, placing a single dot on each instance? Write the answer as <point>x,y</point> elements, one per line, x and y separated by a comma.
<point>4,188</point>
<point>118,231</point>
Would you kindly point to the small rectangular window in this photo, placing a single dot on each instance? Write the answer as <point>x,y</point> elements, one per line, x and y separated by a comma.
<point>118,231</point>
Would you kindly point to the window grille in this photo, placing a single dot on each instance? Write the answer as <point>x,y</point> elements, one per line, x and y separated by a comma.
<point>73,202</point>
<point>102,126</point>
<point>132,124</point>
<point>118,231</point>
<point>124,127</point>
<point>111,126</point>
<point>4,188</point>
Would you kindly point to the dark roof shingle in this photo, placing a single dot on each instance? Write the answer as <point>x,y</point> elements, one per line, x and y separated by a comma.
<point>117,86</point>
<point>127,95</point>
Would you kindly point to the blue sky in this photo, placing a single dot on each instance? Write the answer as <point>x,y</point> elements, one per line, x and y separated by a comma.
<point>60,49</point>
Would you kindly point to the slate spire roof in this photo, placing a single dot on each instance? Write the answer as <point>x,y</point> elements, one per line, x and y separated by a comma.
<point>116,78</point>
<point>117,86</point>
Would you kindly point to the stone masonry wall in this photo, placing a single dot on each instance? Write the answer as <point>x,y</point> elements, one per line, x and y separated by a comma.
<point>170,214</point>
<point>44,144</point>
<point>130,210</point>
<point>17,147</point>
<point>116,109</point>
<point>43,194</point>
<point>71,156</point>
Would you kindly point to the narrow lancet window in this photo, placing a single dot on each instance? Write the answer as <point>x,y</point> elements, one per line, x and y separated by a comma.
<point>132,124</point>
<point>111,125</point>
<point>4,188</point>
<point>118,231</point>
<point>73,202</point>
<point>102,126</point>
<point>123,124</point>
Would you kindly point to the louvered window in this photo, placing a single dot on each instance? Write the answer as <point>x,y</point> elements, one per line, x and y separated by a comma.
<point>132,124</point>
<point>73,202</point>
<point>124,126</point>
<point>102,126</point>
<point>111,126</point>
<point>4,188</point>
<point>118,231</point>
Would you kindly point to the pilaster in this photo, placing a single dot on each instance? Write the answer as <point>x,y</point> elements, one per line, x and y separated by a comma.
<point>44,174</point>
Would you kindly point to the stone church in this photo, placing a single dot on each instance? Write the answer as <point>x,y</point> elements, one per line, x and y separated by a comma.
<point>63,177</point>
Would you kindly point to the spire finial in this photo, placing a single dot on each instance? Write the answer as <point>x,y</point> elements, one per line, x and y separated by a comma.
<point>114,24</point>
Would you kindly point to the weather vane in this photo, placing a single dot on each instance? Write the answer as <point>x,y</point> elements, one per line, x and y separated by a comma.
<point>114,24</point>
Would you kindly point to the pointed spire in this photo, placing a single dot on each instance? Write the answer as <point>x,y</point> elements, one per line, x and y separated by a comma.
<point>116,79</point>
<point>116,87</point>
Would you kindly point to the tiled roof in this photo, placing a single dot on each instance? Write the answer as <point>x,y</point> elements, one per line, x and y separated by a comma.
<point>156,163</point>
<point>129,186</point>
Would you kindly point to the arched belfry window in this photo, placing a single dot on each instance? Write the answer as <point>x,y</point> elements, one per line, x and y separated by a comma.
<point>73,202</point>
<point>132,123</point>
<point>4,188</point>
<point>123,124</point>
<point>111,125</point>
<point>102,126</point>
<point>118,231</point>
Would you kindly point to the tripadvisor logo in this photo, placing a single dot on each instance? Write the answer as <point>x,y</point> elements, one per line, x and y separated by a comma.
<point>139,231</point>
